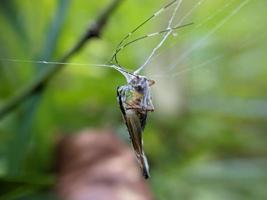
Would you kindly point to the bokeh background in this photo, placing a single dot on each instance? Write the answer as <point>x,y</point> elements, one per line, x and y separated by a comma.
<point>207,137</point>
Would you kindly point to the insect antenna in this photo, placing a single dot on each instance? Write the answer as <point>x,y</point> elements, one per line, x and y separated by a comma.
<point>148,36</point>
<point>114,56</point>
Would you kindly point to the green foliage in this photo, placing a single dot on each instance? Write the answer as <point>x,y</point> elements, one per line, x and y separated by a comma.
<point>207,138</point>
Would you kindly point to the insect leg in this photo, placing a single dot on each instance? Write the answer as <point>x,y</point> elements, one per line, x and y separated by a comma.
<point>114,56</point>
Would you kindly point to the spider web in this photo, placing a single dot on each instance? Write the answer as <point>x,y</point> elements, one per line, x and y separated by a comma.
<point>197,44</point>
<point>155,51</point>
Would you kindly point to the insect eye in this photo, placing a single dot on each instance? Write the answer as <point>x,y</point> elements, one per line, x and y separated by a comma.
<point>139,88</point>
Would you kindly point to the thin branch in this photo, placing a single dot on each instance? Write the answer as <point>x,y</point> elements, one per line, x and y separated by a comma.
<point>38,84</point>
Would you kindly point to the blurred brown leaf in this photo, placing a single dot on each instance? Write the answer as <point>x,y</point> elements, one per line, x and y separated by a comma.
<point>97,165</point>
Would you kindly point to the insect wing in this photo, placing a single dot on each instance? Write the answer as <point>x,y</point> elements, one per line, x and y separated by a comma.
<point>134,125</point>
<point>135,122</point>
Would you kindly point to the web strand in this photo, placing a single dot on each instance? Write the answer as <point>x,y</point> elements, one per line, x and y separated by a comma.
<point>118,48</point>
<point>168,32</point>
<point>169,27</point>
<point>152,35</point>
<point>190,12</point>
<point>198,25</point>
<point>207,62</point>
<point>163,40</point>
<point>52,62</point>
<point>210,33</point>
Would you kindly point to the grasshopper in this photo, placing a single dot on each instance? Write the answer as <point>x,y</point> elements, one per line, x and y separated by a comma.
<point>134,98</point>
<point>135,103</point>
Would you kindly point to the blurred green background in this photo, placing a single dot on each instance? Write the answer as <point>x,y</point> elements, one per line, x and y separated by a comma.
<point>207,137</point>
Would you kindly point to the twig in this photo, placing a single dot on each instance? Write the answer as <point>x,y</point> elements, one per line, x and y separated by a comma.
<point>38,84</point>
